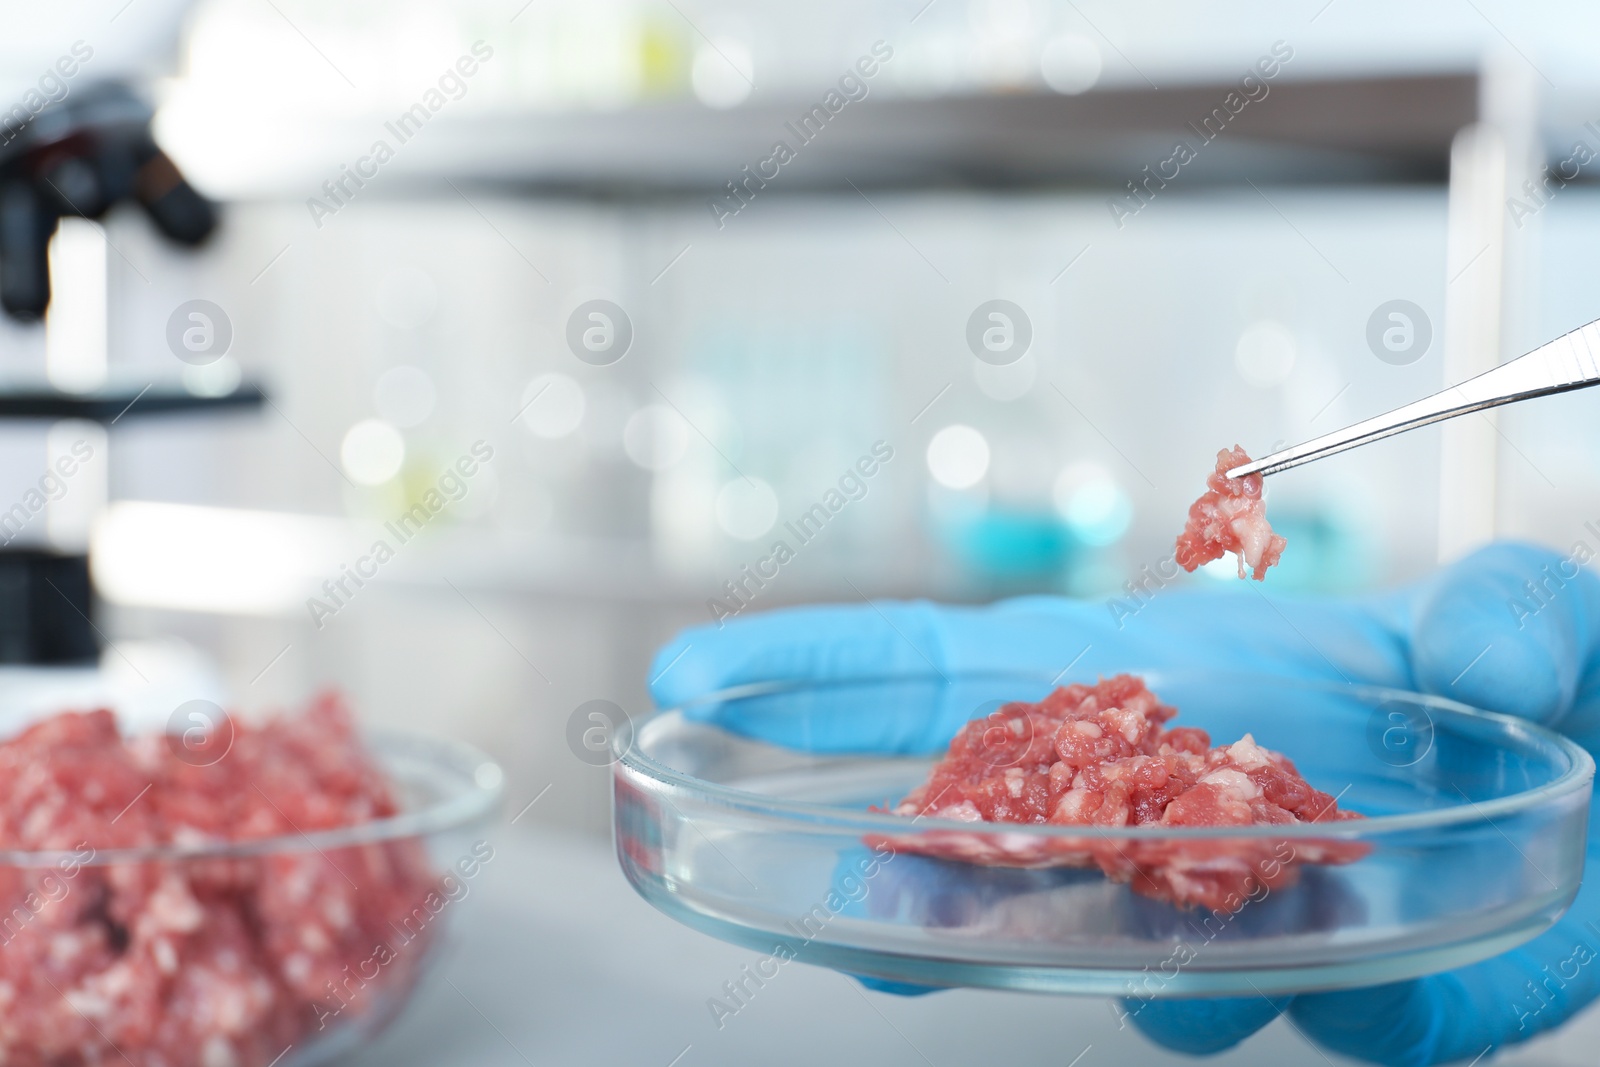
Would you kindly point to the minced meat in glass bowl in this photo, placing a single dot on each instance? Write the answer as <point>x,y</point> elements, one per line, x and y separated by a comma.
<point>263,894</point>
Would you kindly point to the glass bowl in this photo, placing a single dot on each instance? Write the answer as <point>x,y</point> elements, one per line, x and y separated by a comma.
<point>220,952</point>
<point>1474,841</point>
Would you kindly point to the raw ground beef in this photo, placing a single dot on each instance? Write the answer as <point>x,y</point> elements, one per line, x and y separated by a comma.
<point>1230,517</point>
<point>216,962</point>
<point>1101,756</point>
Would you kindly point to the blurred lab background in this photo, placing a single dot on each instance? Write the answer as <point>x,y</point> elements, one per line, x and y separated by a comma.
<point>578,251</point>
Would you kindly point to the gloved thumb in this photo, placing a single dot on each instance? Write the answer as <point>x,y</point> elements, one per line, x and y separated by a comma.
<point>1511,628</point>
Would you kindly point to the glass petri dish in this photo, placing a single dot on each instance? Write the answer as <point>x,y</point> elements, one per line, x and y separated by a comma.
<point>749,815</point>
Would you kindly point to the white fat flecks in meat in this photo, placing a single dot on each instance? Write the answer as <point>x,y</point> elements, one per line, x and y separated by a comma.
<point>1247,754</point>
<point>966,811</point>
<point>1247,519</point>
<point>1073,805</point>
<point>1236,784</point>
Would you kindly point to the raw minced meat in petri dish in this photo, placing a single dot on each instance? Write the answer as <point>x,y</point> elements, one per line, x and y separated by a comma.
<point>1102,756</point>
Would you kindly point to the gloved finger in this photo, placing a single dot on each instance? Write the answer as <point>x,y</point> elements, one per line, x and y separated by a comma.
<point>1051,639</point>
<point>1511,628</point>
<point>1320,905</point>
<point>1045,635</point>
<point>860,878</point>
<point>797,644</point>
<point>915,715</point>
<point>1201,1026</point>
<point>899,989</point>
<point>1462,1014</point>
<point>1413,1023</point>
<point>821,663</point>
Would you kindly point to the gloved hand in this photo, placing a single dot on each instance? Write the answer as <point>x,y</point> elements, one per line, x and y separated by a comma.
<point>1474,632</point>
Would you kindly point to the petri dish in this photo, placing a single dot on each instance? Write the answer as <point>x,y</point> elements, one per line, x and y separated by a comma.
<point>750,815</point>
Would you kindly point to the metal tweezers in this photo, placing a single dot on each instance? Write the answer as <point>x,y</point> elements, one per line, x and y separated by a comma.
<point>1571,361</point>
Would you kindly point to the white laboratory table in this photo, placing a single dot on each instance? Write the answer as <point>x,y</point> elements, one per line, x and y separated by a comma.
<point>556,961</point>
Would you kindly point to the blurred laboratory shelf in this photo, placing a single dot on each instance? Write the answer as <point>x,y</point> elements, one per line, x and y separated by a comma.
<point>1367,129</point>
<point>557,961</point>
<point>1317,131</point>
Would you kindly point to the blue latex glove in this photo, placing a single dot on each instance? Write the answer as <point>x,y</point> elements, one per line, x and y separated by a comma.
<point>1542,663</point>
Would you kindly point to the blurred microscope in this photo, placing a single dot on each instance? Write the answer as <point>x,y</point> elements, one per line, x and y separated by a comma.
<point>61,169</point>
<point>77,159</point>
